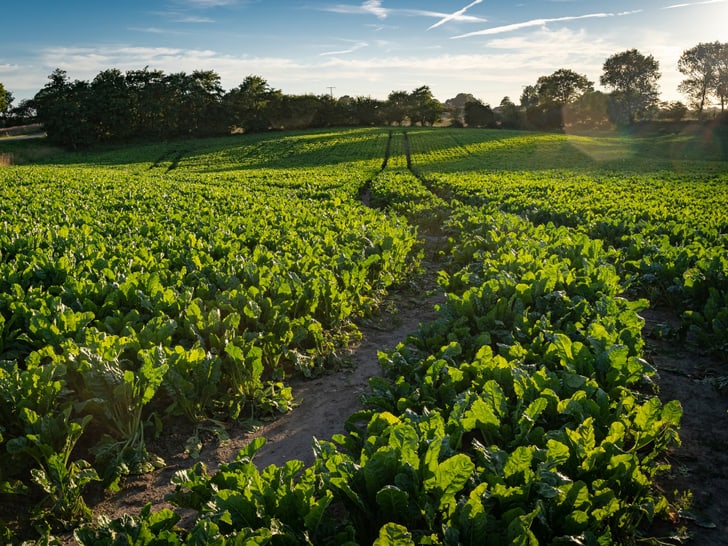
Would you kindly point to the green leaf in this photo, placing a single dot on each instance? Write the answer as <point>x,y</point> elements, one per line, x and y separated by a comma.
<point>481,415</point>
<point>518,465</point>
<point>451,477</point>
<point>392,534</point>
<point>556,453</point>
<point>392,501</point>
<point>247,453</point>
<point>380,469</point>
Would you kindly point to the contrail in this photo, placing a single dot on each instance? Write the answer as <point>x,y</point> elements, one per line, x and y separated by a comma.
<point>455,15</point>
<point>532,23</point>
<point>689,4</point>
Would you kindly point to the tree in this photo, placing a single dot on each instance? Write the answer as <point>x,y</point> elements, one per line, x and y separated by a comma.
<point>721,89</point>
<point>62,108</point>
<point>248,104</point>
<point>423,107</point>
<point>672,111</point>
<point>24,112</point>
<point>396,109</point>
<point>477,114</point>
<point>110,110</point>
<point>562,87</point>
<point>365,111</point>
<point>545,103</point>
<point>6,101</point>
<point>509,115</point>
<point>196,103</point>
<point>455,107</point>
<point>588,111</point>
<point>529,96</point>
<point>146,88</point>
<point>701,66</point>
<point>633,78</point>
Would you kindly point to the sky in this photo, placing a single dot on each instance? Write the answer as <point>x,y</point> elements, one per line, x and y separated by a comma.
<point>490,49</point>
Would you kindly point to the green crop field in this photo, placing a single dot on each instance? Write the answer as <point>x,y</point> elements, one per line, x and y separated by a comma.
<point>193,279</point>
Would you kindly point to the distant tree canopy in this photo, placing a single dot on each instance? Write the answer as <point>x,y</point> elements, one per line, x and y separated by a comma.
<point>562,87</point>
<point>546,102</point>
<point>590,110</point>
<point>419,106</point>
<point>477,114</point>
<point>706,68</point>
<point>633,78</point>
<point>6,100</point>
<point>141,104</point>
<point>151,105</point>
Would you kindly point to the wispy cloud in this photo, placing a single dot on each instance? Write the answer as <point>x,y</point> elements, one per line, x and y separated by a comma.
<point>375,7</point>
<point>183,16</point>
<point>203,4</point>
<point>192,19</point>
<point>150,30</point>
<point>536,23</point>
<point>456,15</point>
<point>354,47</point>
<point>689,4</point>
<point>370,7</point>
<point>440,15</point>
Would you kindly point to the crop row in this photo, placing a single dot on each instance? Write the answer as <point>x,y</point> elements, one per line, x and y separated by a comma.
<point>192,278</point>
<point>130,296</point>
<point>522,415</point>
<point>670,234</point>
<point>670,227</point>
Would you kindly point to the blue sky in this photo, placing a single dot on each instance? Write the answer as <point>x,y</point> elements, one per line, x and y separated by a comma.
<point>359,47</point>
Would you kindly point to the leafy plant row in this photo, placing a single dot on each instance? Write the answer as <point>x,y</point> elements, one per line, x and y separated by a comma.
<point>660,207</point>
<point>530,372</point>
<point>671,243</point>
<point>522,415</point>
<point>130,297</point>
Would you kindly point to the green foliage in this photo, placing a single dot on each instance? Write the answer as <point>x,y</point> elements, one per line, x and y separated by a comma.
<point>146,529</point>
<point>49,440</point>
<point>116,394</point>
<point>281,504</point>
<point>197,279</point>
<point>195,292</point>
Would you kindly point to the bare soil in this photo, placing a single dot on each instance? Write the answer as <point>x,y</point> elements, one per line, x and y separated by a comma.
<point>699,470</point>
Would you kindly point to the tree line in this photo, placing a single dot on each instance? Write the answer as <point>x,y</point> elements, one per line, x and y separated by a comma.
<point>568,98</point>
<point>151,105</point>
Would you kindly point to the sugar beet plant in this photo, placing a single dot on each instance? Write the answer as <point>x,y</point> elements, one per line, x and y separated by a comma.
<point>524,414</point>
<point>136,292</point>
<point>662,207</point>
<point>521,416</point>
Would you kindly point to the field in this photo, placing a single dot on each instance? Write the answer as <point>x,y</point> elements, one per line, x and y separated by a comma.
<point>552,312</point>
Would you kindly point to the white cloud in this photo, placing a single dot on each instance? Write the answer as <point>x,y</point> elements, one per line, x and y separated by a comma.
<point>374,7</point>
<point>149,30</point>
<point>192,19</point>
